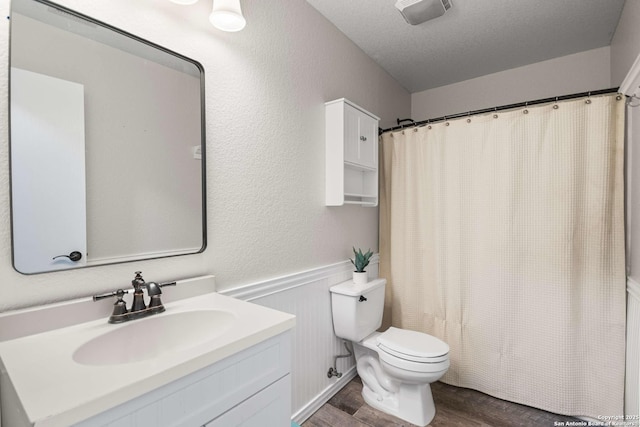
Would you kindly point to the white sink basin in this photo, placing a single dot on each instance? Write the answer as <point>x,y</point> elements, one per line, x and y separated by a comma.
<point>154,336</point>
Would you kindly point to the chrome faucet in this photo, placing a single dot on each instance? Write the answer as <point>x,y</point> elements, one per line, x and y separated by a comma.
<point>138,307</point>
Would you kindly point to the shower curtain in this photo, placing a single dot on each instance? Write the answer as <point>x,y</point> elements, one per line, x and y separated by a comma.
<point>503,235</point>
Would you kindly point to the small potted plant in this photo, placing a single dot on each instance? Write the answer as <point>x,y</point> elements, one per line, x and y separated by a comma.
<point>360,261</point>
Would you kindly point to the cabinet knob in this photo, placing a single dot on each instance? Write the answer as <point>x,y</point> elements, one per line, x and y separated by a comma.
<point>363,138</point>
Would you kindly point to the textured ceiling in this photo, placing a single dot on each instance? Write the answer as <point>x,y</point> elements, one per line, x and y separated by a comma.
<point>474,38</point>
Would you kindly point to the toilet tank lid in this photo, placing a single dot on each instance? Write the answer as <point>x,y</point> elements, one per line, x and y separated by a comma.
<point>353,290</point>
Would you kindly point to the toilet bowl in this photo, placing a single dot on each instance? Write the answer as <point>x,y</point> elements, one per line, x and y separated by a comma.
<point>396,378</point>
<point>396,366</point>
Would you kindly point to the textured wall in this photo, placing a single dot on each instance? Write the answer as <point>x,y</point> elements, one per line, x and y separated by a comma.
<point>569,74</point>
<point>265,89</point>
<point>625,45</point>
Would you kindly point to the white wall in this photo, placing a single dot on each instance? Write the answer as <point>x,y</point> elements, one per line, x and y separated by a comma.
<point>580,72</point>
<point>625,47</point>
<point>265,90</point>
<point>625,44</point>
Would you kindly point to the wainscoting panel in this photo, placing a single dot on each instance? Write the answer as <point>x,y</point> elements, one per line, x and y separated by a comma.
<point>306,295</point>
<point>632,376</point>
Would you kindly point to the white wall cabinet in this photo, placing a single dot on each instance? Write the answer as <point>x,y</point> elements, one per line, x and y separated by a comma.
<point>351,134</point>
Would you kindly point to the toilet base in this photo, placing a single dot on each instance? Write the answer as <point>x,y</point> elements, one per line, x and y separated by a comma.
<point>409,400</point>
<point>412,403</point>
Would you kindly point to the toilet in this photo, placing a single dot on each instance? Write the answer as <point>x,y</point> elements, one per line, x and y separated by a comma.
<point>396,366</point>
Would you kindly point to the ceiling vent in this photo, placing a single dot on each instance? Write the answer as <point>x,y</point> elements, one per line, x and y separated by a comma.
<point>418,11</point>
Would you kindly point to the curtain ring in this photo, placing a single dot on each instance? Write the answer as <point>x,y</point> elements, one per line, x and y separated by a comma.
<point>588,101</point>
<point>618,97</point>
<point>525,111</point>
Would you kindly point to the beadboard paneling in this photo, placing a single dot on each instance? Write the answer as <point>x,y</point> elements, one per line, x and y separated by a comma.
<point>306,295</point>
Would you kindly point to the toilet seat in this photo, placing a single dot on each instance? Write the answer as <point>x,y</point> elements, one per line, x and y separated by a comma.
<point>412,346</point>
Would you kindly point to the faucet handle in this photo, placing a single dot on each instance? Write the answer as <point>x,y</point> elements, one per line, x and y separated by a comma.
<point>117,293</point>
<point>154,291</point>
<point>162,285</point>
<point>120,313</point>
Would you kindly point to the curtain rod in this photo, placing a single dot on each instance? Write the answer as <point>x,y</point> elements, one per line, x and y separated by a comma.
<point>503,107</point>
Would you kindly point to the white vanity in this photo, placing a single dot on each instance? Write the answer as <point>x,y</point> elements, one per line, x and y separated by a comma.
<point>209,360</point>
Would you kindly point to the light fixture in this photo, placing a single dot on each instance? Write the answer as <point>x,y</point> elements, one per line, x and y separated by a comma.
<point>227,15</point>
<point>183,1</point>
<point>418,11</point>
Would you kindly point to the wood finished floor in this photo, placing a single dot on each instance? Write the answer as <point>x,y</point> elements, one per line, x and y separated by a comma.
<point>455,407</point>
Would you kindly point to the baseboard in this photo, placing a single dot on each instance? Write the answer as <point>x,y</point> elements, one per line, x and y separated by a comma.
<point>322,398</point>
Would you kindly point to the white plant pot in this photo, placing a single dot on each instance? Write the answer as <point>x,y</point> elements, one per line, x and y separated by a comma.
<point>360,278</point>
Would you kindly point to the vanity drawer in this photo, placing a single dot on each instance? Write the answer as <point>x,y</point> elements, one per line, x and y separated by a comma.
<point>270,407</point>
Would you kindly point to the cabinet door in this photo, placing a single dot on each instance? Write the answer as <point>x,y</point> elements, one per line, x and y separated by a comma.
<point>351,134</point>
<point>368,141</point>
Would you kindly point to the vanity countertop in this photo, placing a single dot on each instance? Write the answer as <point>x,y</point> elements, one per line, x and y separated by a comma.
<point>55,390</point>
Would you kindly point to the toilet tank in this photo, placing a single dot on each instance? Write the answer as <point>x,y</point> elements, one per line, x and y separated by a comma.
<point>354,317</point>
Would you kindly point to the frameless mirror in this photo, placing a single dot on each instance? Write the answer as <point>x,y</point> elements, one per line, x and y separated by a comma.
<point>107,144</point>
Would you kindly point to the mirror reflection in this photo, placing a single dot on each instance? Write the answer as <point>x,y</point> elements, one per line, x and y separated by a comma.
<point>107,144</point>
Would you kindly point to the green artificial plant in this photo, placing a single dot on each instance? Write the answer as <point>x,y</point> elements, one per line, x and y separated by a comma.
<point>361,260</point>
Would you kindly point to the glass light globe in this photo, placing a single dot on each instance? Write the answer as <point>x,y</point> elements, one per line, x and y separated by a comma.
<point>227,15</point>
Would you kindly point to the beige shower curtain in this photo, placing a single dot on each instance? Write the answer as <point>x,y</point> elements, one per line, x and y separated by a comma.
<point>503,235</point>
